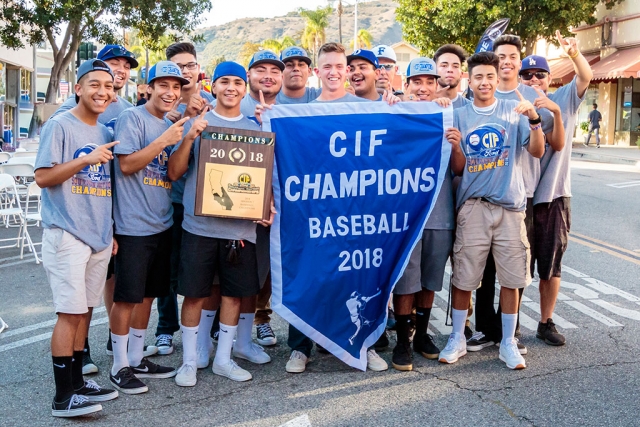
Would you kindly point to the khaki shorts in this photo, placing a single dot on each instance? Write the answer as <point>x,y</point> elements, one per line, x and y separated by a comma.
<point>75,274</point>
<point>483,226</point>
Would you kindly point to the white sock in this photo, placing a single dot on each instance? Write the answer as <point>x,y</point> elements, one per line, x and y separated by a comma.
<point>189,339</point>
<point>225,342</point>
<point>245,325</point>
<point>458,318</point>
<point>508,327</point>
<point>136,346</point>
<point>120,360</point>
<point>204,329</point>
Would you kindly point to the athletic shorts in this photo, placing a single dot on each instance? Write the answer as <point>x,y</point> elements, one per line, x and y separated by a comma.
<point>263,252</point>
<point>552,226</point>
<point>529,224</point>
<point>111,268</point>
<point>483,226</point>
<point>202,257</point>
<point>143,267</point>
<point>76,274</point>
<point>425,269</point>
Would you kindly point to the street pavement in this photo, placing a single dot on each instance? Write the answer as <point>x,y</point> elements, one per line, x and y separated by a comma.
<point>592,381</point>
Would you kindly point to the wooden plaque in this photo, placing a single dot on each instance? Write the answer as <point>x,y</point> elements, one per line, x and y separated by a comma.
<point>235,169</point>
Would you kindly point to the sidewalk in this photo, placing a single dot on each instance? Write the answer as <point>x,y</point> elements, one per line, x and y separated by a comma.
<point>607,154</point>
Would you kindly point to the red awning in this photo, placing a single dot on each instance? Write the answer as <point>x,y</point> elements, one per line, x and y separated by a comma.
<point>621,64</point>
<point>562,69</point>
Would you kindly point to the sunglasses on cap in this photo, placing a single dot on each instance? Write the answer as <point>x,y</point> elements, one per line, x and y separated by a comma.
<point>118,51</point>
<point>539,75</point>
<point>387,67</point>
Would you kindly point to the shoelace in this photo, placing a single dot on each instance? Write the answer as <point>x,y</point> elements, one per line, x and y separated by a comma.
<point>92,384</point>
<point>452,343</point>
<point>265,330</point>
<point>373,354</point>
<point>186,368</point>
<point>513,347</point>
<point>164,340</point>
<point>233,365</point>
<point>297,355</point>
<point>77,399</point>
<point>477,336</point>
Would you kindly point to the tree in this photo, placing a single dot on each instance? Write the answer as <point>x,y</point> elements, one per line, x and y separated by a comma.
<point>365,39</point>
<point>34,21</point>
<point>142,53</point>
<point>314,33</point>
<point>278,45</point>
<point>429,24</point>
<point>246,53</point>
<point>211,65</point>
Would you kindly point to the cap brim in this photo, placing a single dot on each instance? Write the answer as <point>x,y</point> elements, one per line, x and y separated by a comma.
<point>424,75</point>
<point>132,61</point>
<point>277,63</point>
<point>306,59</point>
<point>352,57</point>
<point>182,80</point>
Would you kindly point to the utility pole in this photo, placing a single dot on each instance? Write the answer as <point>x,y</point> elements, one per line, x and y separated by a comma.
<point>355,28</point>
<point>340,10</point>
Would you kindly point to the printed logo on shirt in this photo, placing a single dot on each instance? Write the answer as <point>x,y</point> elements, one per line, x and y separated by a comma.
<point>486,149</point>
<point>155,174</point>
<point>94,180</point>
<point>111,126</point>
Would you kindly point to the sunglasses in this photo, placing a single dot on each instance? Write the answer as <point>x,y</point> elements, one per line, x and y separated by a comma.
<point>539,75</point>
<point>387,67</point>
<point>118,51</point>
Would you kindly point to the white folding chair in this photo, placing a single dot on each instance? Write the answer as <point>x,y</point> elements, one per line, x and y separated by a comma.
<point>12,208</point>
<point>32,207</point>
<point>4,157</point>
<point>3,325</point>
<point>32,146</point>
<point>23,174</point>
<point>18,154</point>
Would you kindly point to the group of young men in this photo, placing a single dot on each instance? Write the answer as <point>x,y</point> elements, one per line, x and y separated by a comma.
<point>119,185</point>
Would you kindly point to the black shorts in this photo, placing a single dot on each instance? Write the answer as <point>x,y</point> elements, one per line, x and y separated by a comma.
<point>111,267</point>
<point>202,257</point>
<point>530,226</point>
<point>263,253</point>
<point>143,267</point>
<point>552,226</point>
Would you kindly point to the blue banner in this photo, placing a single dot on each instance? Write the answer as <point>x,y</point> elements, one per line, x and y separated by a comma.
<point>494,31</point>
<point>353,184</point>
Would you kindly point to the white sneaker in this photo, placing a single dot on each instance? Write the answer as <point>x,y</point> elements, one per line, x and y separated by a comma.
<point>231,370</point>
<point>455,349</point>
<point>255,354</point>
<point>203,355</point>
<point>510,355</point>
<point>297,362</point>
<point>375,362</point>
<point>186,376</point>
<point>149,350</point>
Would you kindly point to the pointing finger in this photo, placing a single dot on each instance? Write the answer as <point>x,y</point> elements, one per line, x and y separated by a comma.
<point>111,144</point>
<point>540,92</point>
<point>204,111</point>
<point>181,121</point>
<point>560,38</point>
<point>262,101</point>
<point>519,95</point>
<point>175,104</point>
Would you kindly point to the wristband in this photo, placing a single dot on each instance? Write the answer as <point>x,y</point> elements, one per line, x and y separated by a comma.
<point>576,55</point>
<point>536,120</point>
<point>536,127</point>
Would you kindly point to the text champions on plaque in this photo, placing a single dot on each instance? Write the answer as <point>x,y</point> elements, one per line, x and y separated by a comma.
<point>235,170</point>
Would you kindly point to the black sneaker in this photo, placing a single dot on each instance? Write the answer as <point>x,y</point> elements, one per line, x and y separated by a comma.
<point>147,369</point>
<point>468,333</point>
<point>95,393</point>
<point>426,347</point>
<point>265,335</point>
<point>549,334</point>
<point>382,343</point>
<point>478,341</point>
<point>126,382</point>
<point>88,367</point>
<point>402,358</point>
<point>164,342</point>
<point>109,346</point>
<point>74,406</point>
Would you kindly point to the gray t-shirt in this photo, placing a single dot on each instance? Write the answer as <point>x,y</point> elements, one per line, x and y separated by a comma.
<point>108,118</point>
<point>530,164</point>
<point>555,170</point>
<point>221,228</point>
<point>310,93</point>
<point>346,98</point>
<point>81,205</point>
<point>248,107</point>
<point>493,144</point>
<point>459,102</point>
<point>142,200</point>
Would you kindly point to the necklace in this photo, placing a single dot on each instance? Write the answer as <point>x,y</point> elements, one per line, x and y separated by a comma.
<point>484,111</point>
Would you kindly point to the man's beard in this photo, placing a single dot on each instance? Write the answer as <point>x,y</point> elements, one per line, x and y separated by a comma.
<point>442,82</point>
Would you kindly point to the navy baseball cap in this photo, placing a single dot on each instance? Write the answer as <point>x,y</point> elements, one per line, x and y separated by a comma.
<point>266,57</point>
<point>229,68</point>
<point>166,69</point>
<point>117,51</point>
<point>91,65</point>
<point>367,55</point>
<point>535,62</point>
<point>295,52</point>
<point>422,66</point>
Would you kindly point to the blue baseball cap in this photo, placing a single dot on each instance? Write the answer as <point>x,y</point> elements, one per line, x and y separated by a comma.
<point>266,57</point>
<point>367,55</point>
<point>166,69</point>
<point>422,66</point>
<point>117,51</point>
<point>295,52</point>
<point>229,68</point>
<point>91,65</point>
<point>535,62</point>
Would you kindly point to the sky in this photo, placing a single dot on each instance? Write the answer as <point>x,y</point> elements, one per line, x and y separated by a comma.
<point>223,11</point>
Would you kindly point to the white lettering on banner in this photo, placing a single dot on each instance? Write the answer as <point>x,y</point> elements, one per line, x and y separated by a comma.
<point>373,142</point>
<point>358,225</point>
<point>389,182</point>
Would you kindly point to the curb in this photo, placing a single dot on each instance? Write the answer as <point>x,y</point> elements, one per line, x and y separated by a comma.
<point>605,158</point>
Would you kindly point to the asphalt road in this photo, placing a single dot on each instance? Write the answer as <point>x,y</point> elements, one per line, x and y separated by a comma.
<point>592,381</point>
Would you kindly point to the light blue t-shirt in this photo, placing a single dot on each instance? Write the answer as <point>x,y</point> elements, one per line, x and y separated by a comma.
<point>348,97</point>
<point>530,164</point>
<point>81,206</point>
<point>221,228</point>
<point>493,142</point>
<point>108,118</point>
<point>310,93</point>
<point>142,200</point>
<point>555,170</point>
<point>248,107</point>
<point>459,102</point>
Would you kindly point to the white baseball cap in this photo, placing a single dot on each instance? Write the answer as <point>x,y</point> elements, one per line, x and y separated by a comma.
<point>384,51</point>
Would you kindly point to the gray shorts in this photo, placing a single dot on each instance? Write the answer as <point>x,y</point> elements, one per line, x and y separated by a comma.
<point>427,263</point>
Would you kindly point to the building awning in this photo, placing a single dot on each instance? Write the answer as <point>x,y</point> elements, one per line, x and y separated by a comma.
<point>562,69</point>
<point>621,64</point>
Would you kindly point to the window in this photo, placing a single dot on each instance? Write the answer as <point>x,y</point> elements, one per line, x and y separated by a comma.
<point>404,57</point>
<point>25,87</point>
<point>3,81</point>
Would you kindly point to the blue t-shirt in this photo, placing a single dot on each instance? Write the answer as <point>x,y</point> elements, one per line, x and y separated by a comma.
<point>221,228</point>
<point>459,102</point>
<point>493,142</point>
<point>81,206</point>
<point>143,199</point>
<point>248,107</point>
<point>348,97</point>
<point>108,118</point>
<point>310,93</point>
<point>594,119</point>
